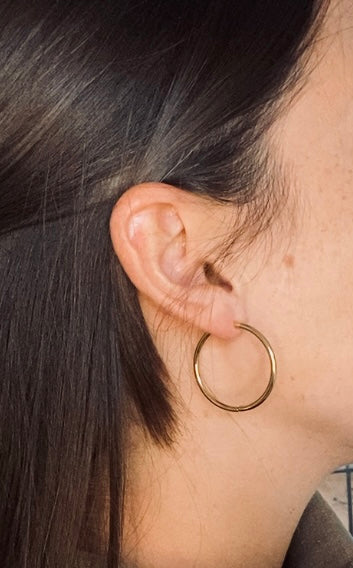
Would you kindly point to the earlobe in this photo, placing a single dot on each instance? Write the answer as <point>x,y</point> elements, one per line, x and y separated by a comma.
<point>155,233</point>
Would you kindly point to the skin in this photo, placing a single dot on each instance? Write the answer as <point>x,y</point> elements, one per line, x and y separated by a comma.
<point>232,488</point>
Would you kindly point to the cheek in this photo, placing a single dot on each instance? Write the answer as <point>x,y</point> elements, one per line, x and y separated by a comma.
<point>302,300</point>
<point>304,295</point>
<point>313,321</point>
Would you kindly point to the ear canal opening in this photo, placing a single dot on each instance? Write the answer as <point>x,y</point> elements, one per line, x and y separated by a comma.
<point>215,278</point>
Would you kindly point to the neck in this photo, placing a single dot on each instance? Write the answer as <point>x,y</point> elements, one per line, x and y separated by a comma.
<point>229,493</point>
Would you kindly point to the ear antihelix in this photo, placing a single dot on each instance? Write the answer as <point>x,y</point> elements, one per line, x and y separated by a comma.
<point>169,221</point>
<point>173,261</point>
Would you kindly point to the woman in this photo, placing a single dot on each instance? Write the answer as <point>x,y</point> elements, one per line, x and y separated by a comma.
<point>172,172</point>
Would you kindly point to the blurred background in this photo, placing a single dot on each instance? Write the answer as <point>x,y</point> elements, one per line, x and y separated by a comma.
<point>337,490</point>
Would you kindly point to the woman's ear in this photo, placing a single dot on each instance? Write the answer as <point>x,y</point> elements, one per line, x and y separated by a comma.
<point>162,237</point>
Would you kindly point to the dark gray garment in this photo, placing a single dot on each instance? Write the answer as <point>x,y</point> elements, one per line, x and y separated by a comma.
<point>320,541</point>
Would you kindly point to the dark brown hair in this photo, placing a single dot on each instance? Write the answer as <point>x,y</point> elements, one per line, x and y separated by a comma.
<point>95,97</point>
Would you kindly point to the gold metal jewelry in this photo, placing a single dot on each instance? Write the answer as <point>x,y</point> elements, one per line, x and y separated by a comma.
<point>211,397</point>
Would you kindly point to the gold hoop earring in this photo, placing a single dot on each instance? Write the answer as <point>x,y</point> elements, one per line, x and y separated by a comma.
<point>210,396</point>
